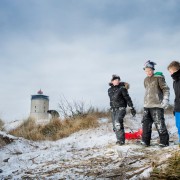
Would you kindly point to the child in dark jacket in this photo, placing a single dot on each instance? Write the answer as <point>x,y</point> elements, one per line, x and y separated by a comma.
<point>119,99</point>
<point>174,69</point>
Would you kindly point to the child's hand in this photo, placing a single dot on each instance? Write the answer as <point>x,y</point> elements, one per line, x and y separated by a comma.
<point>165,103</point>
<point>133,111</point>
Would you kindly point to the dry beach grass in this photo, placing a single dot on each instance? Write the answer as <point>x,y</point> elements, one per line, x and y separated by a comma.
<point>55,129</point>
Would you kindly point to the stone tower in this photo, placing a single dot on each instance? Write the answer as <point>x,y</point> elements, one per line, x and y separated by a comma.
<point>39,106</point>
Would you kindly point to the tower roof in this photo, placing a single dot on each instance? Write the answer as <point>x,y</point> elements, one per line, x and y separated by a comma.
<point>40,92</point>
<point>39,96</point>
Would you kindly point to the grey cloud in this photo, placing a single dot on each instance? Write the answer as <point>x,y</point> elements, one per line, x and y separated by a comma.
<point>77,58</point>
<point>71,18</point>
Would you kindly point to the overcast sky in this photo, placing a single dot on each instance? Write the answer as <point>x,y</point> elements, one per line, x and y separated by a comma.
<point>72,48</point>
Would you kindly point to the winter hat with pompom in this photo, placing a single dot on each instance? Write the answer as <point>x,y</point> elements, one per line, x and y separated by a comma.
<point>149,64</point>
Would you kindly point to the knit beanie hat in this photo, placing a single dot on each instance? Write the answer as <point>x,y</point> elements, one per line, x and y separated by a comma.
<point>149,64</point>
<point>114,76</point>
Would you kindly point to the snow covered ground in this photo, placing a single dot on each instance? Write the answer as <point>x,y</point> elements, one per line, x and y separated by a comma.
<point>88,154</point>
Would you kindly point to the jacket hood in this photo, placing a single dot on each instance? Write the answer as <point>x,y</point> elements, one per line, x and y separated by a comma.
<point>125,84</point>
<point>158,74</point>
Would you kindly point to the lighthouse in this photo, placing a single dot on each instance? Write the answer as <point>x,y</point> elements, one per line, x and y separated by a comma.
<point>39,106</point>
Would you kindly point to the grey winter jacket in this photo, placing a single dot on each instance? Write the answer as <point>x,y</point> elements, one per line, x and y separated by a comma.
<point>156,90</point>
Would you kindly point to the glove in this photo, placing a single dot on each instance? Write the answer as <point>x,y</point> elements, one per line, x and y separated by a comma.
<point>133,111</point>
<point>142,121</point>
<point>165,103</point>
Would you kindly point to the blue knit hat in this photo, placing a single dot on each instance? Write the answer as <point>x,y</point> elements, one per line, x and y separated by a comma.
<point>149,64</point>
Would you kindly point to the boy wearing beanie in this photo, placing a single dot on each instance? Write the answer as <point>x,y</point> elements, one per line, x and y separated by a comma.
<point>119,99</point>
<point>174,69</point>
<point>156,99</point>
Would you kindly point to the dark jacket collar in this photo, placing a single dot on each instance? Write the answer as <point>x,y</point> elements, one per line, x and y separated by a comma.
<point>176,75</point>
<point>114,86</point>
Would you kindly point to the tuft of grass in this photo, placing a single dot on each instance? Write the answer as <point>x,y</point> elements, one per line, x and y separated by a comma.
<point>51,129</point>
<point>100,113</point>
<point>55,129</point>
<point>28,130</point>
<point>1,124</point>
<point>2,142</point>
<point>171,171</point>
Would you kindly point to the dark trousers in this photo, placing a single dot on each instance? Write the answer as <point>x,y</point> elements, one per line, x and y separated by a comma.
<point>117,120</point>
<point>155,115</point>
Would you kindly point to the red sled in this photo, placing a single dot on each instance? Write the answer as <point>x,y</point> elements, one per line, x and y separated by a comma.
<point>133,135</point>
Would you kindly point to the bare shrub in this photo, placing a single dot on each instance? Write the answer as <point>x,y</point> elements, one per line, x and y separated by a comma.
<point>76,109</point>
<point>72,109</point>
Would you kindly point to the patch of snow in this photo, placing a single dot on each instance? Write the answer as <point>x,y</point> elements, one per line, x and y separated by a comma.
<point>12,125</point>
<point>103,120</point>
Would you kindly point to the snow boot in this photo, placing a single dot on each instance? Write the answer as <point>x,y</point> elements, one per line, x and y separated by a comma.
<point>120,143</point>
<point>162,145</point>
<point>144,144</point>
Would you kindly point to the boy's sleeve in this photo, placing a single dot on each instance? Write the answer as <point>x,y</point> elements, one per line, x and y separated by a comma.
<point>145,83</point>
<point>164,87</point>
<point>127,97</point>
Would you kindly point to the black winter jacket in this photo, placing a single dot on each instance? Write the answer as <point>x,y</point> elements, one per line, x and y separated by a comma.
<point>119,96</point>
<point>176,86</point>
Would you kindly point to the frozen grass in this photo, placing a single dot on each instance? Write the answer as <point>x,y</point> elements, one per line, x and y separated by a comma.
<point>171,171</point>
